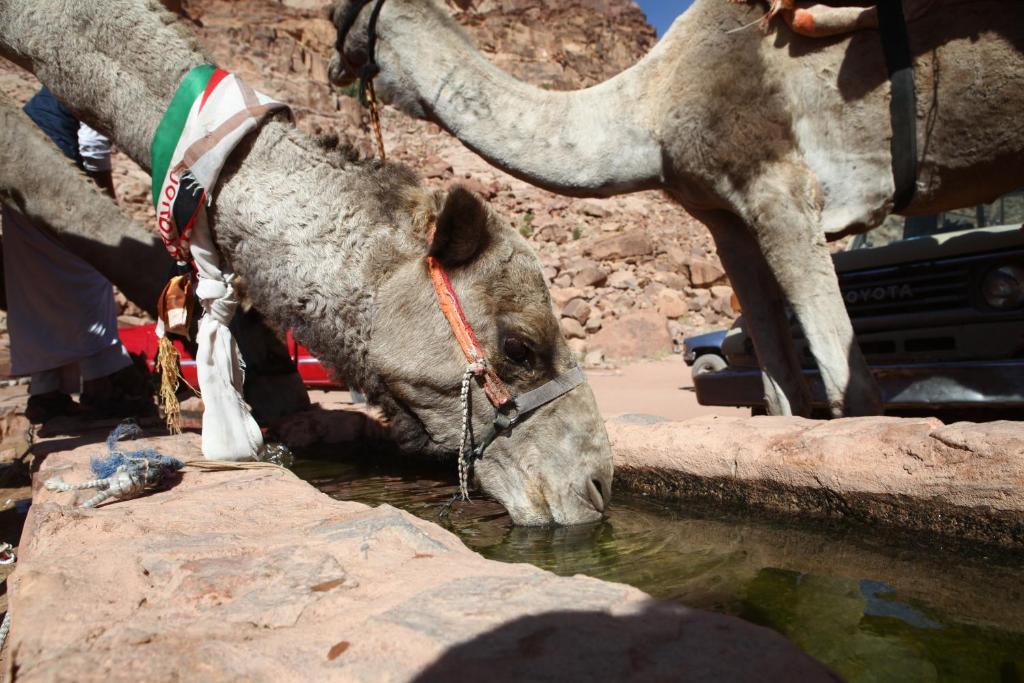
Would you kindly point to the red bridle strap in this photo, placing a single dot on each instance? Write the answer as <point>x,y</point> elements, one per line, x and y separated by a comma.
<point>496,390</point>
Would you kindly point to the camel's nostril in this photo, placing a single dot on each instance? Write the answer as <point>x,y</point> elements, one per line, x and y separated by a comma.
<point>595,490</point>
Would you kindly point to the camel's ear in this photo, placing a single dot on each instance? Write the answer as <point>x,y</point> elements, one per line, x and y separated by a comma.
<point>461,231</point>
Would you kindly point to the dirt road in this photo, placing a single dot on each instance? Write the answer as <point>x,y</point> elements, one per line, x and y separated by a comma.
<point>661,387</point>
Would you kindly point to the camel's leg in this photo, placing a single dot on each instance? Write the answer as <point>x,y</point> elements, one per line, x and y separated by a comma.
<point>786,221</point>
<point>764,314</point>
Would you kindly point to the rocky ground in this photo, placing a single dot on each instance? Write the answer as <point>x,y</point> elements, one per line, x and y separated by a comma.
<point>630,276</point>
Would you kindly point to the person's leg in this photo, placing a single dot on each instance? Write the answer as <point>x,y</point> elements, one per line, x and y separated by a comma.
<point>45,382</point>
<point>112,386</point>
<point>49,394</point>
<point>106,362</point>
<point>60,309</point>
<point>61,312</point>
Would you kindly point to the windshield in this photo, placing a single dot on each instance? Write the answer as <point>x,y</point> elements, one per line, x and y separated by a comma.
<point>1007,210</point>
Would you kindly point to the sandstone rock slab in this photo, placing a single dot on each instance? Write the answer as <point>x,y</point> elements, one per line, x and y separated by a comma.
<point>251,574</point>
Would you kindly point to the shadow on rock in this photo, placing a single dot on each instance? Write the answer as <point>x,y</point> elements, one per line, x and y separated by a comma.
<point>660,643</point>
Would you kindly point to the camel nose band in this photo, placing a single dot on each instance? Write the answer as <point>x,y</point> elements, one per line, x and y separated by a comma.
<point>526,403</point>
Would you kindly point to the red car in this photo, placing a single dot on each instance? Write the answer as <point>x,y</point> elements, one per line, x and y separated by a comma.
<point>142,340</point>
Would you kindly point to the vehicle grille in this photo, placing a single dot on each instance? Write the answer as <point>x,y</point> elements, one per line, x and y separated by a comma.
<point>917,287</point>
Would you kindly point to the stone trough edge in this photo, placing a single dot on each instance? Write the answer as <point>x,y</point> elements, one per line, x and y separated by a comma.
<point>963,481</point>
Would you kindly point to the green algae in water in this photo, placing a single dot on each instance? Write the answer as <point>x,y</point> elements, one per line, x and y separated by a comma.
<point>870,611</point>
<point>866,632</point>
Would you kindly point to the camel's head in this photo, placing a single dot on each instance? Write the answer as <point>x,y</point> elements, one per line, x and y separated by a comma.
<point>555,465</point>
<point>394,84</point>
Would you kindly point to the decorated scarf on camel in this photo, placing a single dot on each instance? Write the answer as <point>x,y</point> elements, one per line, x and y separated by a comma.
<point>210,114</point>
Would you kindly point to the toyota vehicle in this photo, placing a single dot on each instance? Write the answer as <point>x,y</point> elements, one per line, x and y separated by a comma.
<point>937,305</point>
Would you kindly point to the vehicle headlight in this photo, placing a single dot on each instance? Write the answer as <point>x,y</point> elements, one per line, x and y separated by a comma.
<point>1003,287</point>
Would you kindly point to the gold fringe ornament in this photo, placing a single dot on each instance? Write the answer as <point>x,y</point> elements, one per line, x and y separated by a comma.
<point>167,360</point>
<point>174,310</point>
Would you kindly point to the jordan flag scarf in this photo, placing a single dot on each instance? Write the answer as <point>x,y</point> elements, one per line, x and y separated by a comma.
<point>210,114</point>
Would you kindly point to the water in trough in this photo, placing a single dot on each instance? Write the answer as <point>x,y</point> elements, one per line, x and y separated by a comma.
<point>871,610</point>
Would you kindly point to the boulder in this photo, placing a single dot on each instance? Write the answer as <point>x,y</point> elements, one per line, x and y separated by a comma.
<point>630,244</point>
<point>721,291</point>
<point>484,189</point>
<point>560,296</point>
<point>591,276</point>
<point>551,232</point>
<point>571,329</point>
<point>578,309</point>
<point>676,259</point>
<point>671,304</point>
<point>722,300</point>
<point>594,207</point>
<point>699,300</point>
<point>671,279</point>
<point>652,289</point>
<point>704,272</point>
<point>622,279</point>
<point>634,335</point>
<point>435,167</point>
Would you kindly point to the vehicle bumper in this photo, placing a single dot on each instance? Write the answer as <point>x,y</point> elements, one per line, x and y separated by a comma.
<point>965,384</point>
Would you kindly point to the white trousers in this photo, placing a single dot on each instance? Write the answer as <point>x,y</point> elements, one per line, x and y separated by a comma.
<point>61,313</point>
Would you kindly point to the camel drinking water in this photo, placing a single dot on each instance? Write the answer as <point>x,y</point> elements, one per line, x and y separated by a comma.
<point>337,251</point>
<point>774,141</point>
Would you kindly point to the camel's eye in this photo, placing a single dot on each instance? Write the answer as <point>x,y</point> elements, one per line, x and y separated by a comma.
<point>516,349</point>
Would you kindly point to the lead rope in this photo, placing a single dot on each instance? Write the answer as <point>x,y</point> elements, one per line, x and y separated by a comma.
<point>472,371</point>
<point>375,120</point>
<point>367,72</point>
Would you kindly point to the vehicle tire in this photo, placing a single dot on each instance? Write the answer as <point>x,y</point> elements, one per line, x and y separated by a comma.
<point>709,362</point>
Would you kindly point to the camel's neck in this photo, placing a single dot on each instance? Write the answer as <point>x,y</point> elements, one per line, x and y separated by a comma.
<point>595,141</point>
<point>115,64</point>
<point>307,231</point>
